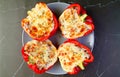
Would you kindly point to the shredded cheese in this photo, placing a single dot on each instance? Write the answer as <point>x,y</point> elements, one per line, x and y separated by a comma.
<point>43,54</point>
<point>72,25</point>
<point>40,21</point>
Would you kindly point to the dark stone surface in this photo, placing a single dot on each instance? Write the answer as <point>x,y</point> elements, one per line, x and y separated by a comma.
<point>106,16</point>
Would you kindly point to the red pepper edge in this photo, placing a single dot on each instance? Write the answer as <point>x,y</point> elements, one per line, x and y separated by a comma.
<point>47,36</point>
<point>86,62</point>
<point>76,70</point>
<point>33,66</point>
<point>88,21</point>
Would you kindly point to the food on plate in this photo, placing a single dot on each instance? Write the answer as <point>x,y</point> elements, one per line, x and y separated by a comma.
<point>74,22</point>
<point>39,55</point>
<point>74,56</point>
<point>40,23</point>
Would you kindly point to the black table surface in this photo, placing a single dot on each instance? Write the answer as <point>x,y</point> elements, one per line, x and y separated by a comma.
<point>106,17</point>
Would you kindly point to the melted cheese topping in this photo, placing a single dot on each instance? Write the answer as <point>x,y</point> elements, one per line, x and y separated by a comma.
<point>39,21</point>
<point>72,25</point>
<point>43,54</point>
<point>71,56</point>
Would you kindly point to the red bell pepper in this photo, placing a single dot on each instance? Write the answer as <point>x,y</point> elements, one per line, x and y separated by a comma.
<point>84,17</point>
<point>80,67</point>
<point>33,65</point>
<point>87,19</point>
<point>45,36</point>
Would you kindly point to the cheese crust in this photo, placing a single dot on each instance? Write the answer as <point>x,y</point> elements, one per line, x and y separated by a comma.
<point>71,56</point>
<point>39,21</point>
<point>72,25</point>
<point>41,53</point>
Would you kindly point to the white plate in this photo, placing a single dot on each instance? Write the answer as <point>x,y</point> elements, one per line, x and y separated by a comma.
<point>57,39</point>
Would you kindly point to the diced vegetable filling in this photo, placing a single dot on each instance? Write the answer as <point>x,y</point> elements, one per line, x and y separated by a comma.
<point>71,56</point>
<point>72,24</point>
<point>43,54</point>
<point>39,21</point>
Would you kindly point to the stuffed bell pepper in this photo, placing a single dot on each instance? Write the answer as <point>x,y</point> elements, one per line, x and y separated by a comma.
<point>39,55</point>
<point>74,22</point>
<point>40,23</point>
<point>74,56</point>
